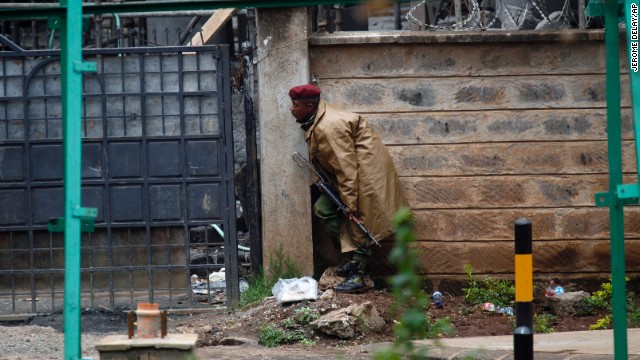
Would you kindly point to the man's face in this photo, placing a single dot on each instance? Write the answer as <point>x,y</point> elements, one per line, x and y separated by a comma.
<point>301,110</point>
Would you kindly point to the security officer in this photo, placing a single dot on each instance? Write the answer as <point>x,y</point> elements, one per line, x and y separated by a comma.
<point>347,149</point>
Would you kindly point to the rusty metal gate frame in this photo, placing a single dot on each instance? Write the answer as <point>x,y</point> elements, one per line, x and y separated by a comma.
<point>164,181</point>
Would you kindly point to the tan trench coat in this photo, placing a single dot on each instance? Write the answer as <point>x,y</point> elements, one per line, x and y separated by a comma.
<point>352,154</point>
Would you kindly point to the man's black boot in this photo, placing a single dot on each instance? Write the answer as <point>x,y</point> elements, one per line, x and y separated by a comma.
<point>347,269</point>
<point>353,284</point>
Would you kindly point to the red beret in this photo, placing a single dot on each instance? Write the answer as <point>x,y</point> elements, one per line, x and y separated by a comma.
<point>304,92</point>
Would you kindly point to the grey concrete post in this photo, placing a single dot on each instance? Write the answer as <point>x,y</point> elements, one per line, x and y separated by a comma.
<point>286,205</point>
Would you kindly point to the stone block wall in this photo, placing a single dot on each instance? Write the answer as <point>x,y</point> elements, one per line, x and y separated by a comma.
<point>486,128</point>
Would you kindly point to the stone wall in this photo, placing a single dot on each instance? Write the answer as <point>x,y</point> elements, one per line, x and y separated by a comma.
<point>286,209</point>
<point>486,128</point>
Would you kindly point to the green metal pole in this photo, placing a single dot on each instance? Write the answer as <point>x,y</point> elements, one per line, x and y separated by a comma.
<point>71,69</point>
<point>616,213</point>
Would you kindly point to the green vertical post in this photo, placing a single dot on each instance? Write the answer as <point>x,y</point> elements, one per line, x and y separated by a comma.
<point>71,70</point>
<point>616,210</point>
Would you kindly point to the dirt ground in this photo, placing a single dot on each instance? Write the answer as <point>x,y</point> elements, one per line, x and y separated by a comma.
<point>240,328</point>
<point>467,320</point>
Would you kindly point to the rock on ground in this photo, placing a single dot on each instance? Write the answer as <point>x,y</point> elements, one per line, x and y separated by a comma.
<point>345,323</point>
<point>566,304</point>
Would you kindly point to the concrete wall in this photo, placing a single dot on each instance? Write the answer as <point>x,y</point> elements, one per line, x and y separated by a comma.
<point>486,128</point>
<point>286,206</point>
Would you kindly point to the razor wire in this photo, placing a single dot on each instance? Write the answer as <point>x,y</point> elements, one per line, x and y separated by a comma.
<point>475,18</point>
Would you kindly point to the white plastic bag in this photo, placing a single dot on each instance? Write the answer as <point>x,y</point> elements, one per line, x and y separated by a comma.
<point>217,276</point>
<point>296,289</point>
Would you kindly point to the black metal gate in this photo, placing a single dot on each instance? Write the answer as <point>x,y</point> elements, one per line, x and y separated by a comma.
<point>157,162</point>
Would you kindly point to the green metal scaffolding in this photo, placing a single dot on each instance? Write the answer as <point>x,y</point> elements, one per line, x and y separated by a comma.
<point>69,14</point>
<point>619,194</point>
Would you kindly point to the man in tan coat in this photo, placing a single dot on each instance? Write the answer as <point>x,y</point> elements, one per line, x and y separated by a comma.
<point>343,146</point>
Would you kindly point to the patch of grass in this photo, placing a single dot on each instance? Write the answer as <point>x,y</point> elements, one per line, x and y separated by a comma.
<point>271,336</point>
<point>543,323</point>
<point>500,292</point>
<point>408,294</point>
<point>301,317</point>
<point>281,266</point>
<point>288,323</point>
<point>307,341</point>
<point>304,315</point>
<point>259,288</point>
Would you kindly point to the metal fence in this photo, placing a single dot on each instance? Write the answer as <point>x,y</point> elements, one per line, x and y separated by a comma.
<point>179,28</point>
<point>157,163</point>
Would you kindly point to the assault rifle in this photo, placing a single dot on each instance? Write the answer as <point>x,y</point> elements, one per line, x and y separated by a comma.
<point>326,189</point>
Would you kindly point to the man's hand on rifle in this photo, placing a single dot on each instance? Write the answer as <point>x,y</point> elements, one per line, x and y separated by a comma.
<point>358,236</point>
<point>325,188</point>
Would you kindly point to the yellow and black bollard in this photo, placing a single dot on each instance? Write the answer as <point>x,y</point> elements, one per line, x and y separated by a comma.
<point>523,334</point>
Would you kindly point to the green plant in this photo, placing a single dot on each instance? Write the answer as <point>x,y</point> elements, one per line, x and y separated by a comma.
<point>602,299</point>
<point>602,323</point>
<point>307,341</point>
<point>606,292</point>
<point>271,336</point>
<point>259,288</point>
<point>305,315</point>
<point>281,266</point>
<point>408,294</point>
<point>543,323</point>
<point>590,305</point>
<point>288,323</point>
<point>300,317</point>
<point>633,312</point>
<point>500,292</point>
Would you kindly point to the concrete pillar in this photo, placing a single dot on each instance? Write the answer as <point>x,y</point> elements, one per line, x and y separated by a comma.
<point>286,205</point>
